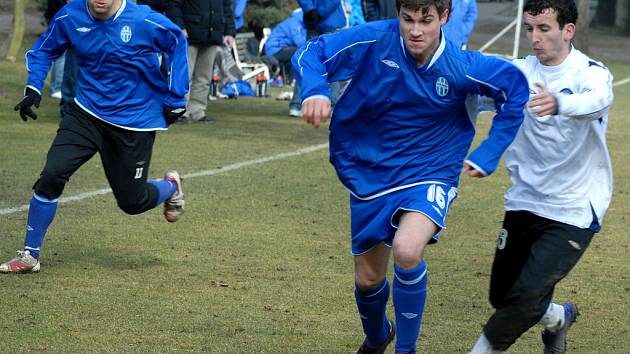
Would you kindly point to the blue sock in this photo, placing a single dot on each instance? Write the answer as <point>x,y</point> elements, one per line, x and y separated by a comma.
<point>40,214</point>
<point>410,294</point>
<point>371,305</point>
<point>165,189</point>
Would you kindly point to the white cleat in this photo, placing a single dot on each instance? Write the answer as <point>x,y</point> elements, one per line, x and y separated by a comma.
<point>22,263</point>
<point>174,206</point>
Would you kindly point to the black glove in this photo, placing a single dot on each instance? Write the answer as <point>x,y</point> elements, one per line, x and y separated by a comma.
<point>31,97</point>
<point>312,18</point>
<point>171,114</point>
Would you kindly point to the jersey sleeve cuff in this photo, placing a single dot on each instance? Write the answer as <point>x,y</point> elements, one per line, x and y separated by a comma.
<point>315,96</point>
<point>476,167</point>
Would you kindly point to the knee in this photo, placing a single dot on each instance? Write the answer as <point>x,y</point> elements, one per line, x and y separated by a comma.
<point>407,257</point>
<point>50,184</point>
<point>131,207</point>
<point>368,280</point>
<point>531,300</point>
<point>496,299</point>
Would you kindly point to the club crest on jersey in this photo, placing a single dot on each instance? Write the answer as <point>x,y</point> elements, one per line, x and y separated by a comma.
<point>441,86</point>
<point>125,33</point>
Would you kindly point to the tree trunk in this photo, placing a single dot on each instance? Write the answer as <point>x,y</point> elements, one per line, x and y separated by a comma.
<point>581,40</point>
<point>17,32</point>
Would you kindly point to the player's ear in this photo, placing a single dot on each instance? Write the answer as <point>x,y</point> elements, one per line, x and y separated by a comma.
<point>568,32</point>
<point>445,15</point>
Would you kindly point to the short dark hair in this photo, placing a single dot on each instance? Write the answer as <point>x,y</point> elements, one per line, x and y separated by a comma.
<point>440,5</point>
<point>566,10</point>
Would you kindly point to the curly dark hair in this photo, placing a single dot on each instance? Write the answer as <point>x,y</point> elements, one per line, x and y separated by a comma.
<point>566,10</point>
<point>423,5</point>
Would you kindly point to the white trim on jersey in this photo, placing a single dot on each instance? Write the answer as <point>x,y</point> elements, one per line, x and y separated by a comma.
<point>391,190</point>
<point>110,123</point>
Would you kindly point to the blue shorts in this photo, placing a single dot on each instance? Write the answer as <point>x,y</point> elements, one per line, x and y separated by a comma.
<point>376,220</point>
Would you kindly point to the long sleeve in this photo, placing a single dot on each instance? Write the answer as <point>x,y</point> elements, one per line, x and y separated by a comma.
<point>507,85</point>
<point>330,58</point>
<point>594,98</point>
<point>48,47</point>
<point>171,41</point>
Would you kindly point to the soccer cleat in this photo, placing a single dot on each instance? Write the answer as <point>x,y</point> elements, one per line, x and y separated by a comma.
<point>556,341</point>
<point>22,263</point>
<point>174,206</point>
<point>380,349</point>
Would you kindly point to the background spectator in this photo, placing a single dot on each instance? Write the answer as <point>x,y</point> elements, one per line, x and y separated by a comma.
<point>375,10</point>
<point>319,18</point>
<point>207,24</point>
<point>461,21</point>
<point>283,41</point>
<point>56,73</point>
<point>354,11</point>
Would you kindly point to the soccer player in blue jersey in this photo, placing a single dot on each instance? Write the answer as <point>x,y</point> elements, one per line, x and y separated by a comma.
<point>122,99</point>
<point>398,139</point>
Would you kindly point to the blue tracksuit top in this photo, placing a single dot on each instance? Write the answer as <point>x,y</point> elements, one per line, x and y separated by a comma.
<point>396,124</point>
<point>331,11</point>
<point>461,21</point>
<point>288,33</point>
<point>119,78</point>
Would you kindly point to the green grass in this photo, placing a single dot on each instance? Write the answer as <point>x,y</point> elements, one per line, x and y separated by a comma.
<point>261,261</point>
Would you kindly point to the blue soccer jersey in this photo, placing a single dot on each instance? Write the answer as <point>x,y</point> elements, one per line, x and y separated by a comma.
<point>119,78</point>
<point>397,125</point>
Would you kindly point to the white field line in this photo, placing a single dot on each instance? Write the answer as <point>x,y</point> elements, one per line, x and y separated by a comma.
<point>214,171</point>
<point>621,82</point>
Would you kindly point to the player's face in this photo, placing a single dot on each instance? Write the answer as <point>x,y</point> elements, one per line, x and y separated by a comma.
<point>420,30</point>
<point>104,9</point>
<point>550,43</point>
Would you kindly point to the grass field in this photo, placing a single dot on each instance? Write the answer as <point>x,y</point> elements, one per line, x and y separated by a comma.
<point>261,262</point>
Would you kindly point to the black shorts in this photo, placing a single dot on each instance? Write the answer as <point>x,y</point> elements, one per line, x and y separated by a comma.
<point>533,254</point>
<point>125,155</point>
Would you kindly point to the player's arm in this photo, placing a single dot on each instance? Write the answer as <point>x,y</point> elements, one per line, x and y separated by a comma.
<point>507,85</point>
<point>48,47</point>
<point>329,58</point>
<point>593,99</point>
<point>171,41</point>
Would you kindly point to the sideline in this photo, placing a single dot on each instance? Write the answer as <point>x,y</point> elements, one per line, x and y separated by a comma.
<point>621,82</point>
<point>214,171</point>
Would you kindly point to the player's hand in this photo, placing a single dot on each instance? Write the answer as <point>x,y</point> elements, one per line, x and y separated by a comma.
<point>171,114</point>
<point>31,98</point>
<point>471,171</point>
<point>316,111</point>
<point>543,103</point>
<point>312,18</point>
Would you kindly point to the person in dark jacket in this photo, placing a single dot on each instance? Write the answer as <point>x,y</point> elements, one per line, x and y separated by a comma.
<point>207,24</point>
<point>155,5</point>
<point>375,10</point>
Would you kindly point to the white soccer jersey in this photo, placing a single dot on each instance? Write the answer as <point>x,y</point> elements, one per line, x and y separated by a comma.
<point>559,165</point>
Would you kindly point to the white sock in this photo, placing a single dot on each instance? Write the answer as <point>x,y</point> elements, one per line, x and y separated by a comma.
<point>553,318</point>
<point>484,347</point>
